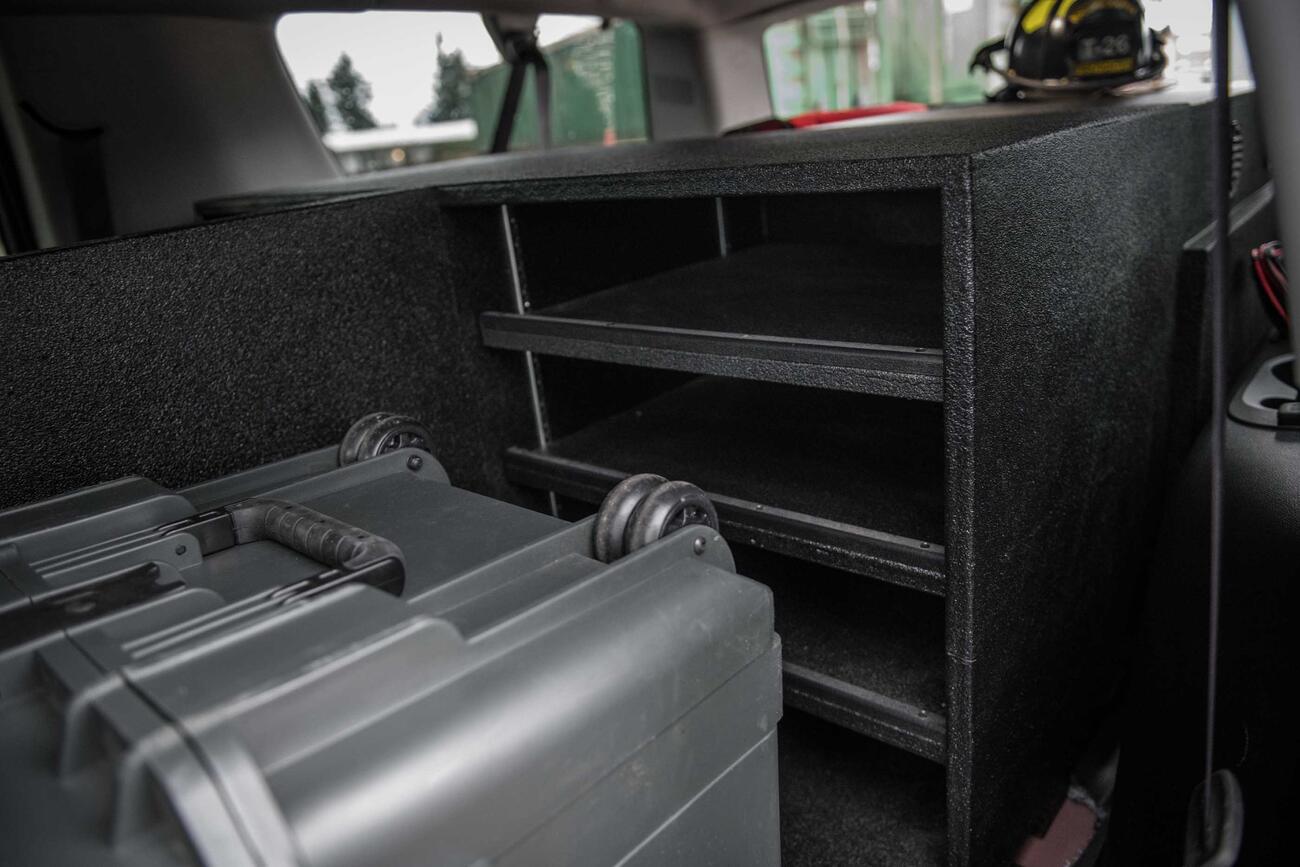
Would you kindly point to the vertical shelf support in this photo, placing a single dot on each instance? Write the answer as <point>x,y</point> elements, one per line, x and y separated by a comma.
<point>530,361</point>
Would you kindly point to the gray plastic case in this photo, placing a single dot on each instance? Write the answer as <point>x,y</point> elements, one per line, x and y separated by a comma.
<point>173,695</point>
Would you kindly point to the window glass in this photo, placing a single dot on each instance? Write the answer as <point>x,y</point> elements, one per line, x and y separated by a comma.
<point>389,89</point>
<point>880,51</point>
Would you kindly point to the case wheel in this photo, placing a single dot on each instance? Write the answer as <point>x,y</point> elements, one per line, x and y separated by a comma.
<point>645,508</point>
<point>380,433</point>
<point>615,514</point>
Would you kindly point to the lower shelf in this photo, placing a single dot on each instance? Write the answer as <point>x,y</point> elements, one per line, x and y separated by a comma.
<point>848,800</point>
<point>864,655</point>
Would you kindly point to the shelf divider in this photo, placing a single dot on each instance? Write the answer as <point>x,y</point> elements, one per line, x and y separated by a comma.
<point>878,716</point>
<point>890,371</point>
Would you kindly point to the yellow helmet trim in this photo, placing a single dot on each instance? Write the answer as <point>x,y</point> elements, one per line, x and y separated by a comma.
<point>1038,14</point>
<point>1042,11</point>
<point>1097,5</point>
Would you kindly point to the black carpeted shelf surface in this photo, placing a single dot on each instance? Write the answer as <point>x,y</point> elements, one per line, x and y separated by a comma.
<point>935,140</point>
<point>878,636</point>
<point>868,461</point>
<point>885,296</point>
<point>846,799</point>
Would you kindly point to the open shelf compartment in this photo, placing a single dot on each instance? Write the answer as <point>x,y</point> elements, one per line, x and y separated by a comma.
<point>865,655</point>
<point>848,481</point>
<point>804,314</point>
<point>818,290</point>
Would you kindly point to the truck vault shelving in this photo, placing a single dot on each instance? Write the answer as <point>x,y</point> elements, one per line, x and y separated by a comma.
<point>767,289</point>
<point>881,384</point>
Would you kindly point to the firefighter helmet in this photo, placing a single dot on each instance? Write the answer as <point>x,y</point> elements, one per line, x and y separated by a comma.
<point>1076,45</point>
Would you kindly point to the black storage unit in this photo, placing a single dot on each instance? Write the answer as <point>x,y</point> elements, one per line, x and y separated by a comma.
<point>932,415</point>
<point>925,368</point>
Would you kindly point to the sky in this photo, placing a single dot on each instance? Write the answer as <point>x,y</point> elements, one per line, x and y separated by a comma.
<point>394,51</point>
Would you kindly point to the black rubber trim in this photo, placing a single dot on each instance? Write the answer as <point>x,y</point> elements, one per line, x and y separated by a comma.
<point>869,713</point>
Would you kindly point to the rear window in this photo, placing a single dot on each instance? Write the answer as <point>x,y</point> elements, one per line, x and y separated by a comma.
<point>872,53</point>
<point>391,89</point>
<point>876,52</point>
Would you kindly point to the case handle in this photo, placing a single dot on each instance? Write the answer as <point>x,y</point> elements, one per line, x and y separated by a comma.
<point>351,553</point>
<point>324,539</point>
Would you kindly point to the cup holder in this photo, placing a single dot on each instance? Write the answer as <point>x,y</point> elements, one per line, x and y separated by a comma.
<point>1284,370</point>
<point>1273,384</point>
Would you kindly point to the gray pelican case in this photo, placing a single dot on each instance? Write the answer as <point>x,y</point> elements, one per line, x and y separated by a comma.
<point>464,685</point>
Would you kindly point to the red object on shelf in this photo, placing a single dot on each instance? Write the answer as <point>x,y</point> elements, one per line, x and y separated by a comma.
<point>817,118</point>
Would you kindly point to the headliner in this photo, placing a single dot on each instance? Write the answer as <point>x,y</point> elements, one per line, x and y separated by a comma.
<point>692,12</point>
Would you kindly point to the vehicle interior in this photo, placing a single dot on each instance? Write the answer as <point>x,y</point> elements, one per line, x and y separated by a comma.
<point>991,388</point>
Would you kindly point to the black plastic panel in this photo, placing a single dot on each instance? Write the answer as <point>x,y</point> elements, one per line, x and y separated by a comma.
<point>1258,654</point>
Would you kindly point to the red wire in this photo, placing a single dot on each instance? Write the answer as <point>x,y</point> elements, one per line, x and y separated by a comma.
<point>1278,274</point>
<point>1268,290</point>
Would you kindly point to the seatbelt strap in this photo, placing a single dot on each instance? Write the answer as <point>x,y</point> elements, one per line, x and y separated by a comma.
<point>1215,815</point>
<point>516,39</point>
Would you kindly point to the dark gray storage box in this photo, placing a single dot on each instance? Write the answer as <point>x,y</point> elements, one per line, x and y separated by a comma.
<point>500,697</point>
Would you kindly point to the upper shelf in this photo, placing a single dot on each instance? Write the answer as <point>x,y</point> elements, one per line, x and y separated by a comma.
<point>826,315</point>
